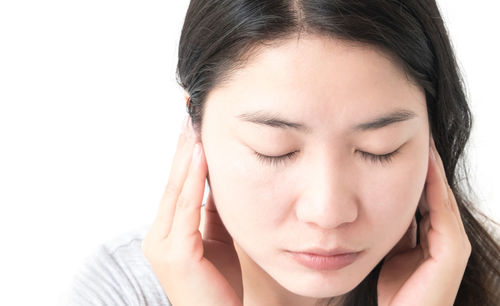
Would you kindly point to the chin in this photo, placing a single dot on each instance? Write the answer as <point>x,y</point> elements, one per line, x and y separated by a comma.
<point>321,290</point>
<point>317,284</point>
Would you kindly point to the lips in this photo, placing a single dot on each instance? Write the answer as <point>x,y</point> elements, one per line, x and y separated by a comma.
<point>326,252</point>
<point>325,260</point>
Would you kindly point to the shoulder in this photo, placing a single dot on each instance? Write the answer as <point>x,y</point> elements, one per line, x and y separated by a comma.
<point>117,273</point>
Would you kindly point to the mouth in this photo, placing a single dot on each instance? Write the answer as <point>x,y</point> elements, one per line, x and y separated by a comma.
<point>321,262</point>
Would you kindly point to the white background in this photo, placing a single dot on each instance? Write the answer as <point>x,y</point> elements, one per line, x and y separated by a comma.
<point>89,117</point>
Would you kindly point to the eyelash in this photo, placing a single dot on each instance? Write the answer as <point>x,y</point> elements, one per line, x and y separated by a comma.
<point>374,158</point>
<point>276,160</point>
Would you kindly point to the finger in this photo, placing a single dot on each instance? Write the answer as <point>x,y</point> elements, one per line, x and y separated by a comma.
<point>441,215</point>
<point>188,206</point>
<point>456,212</point>
<point>423,232</point>
<point>439,161</point>
<point>214,228</point>
<point>452,203</point>
<point>454,206</point>
<point>178,172</point>
<point>446,235</point>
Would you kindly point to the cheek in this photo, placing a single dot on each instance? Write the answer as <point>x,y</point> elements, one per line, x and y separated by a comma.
<point>247,199</point>
<point>390,203</point>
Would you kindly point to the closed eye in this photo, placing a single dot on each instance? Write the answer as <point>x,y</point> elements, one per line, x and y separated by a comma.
<point>282,159</point>
<point>374,158</point>
<point>276,160</point>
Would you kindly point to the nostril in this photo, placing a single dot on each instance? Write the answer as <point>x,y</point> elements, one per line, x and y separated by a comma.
<point>326,214</point>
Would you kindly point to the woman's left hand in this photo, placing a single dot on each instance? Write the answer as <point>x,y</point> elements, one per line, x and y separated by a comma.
<point>429,273</point>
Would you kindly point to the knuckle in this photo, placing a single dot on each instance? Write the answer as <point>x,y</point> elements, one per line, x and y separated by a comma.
<point>172,189</point>
<point>182,202</point>
<point>186,136</point>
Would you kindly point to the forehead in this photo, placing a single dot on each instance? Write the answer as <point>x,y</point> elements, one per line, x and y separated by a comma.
<point>319,78</point>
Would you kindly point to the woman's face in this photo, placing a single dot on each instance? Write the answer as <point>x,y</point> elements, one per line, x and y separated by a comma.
<point>327,194</point>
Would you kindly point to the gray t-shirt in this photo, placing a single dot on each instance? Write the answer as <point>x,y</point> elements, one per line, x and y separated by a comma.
<point>117,273</point>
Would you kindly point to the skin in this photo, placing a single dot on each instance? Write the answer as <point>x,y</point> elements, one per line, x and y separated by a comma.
<point>327,196</point>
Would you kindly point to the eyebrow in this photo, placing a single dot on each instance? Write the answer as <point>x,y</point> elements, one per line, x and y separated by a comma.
<point>273,120</point>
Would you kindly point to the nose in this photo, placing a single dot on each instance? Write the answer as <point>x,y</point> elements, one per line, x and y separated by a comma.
<point>328,199</point>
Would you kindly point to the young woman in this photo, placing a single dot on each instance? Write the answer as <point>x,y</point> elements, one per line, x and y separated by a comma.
<point>329,133</point>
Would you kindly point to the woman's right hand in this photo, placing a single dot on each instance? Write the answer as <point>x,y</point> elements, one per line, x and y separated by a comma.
<point>191,270</point>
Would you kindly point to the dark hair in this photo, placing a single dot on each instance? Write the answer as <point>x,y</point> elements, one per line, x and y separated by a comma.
<point>219,36</point>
